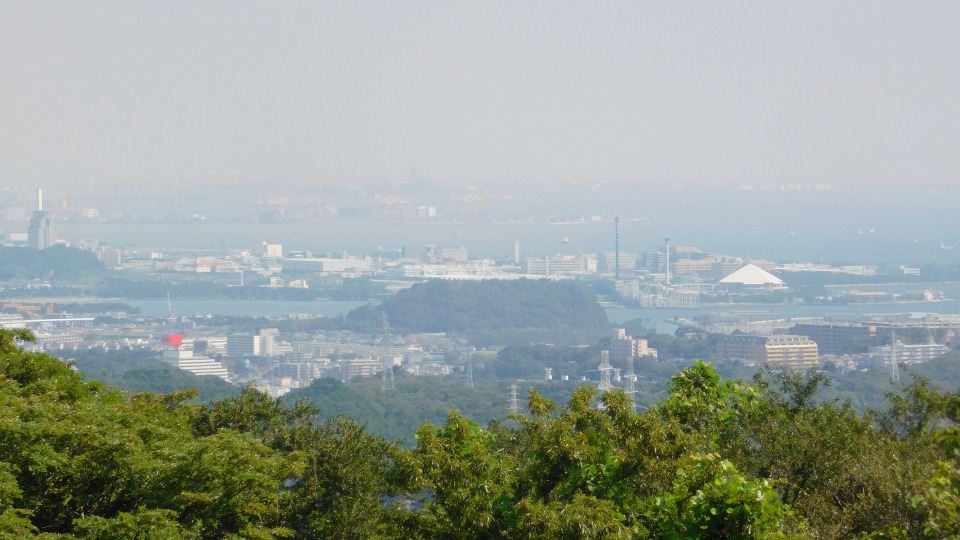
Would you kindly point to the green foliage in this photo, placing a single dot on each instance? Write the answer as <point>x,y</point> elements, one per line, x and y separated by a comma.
<point>138,525</point>
<point>941,502</point>
<point>84,460</point>
<point>711,499</point>
<point>362,288</point>
<point>141,371</point>
<point>56,263</point>
<point>467,477</point>
<point>416,400</point>
<point>494,311</point>
<point>831,465</point>
<point>716,459</point>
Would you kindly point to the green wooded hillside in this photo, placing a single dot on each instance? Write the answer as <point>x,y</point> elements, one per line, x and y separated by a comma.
<point>494,311</point>
<point>142,371</point>
<point>59,263</point>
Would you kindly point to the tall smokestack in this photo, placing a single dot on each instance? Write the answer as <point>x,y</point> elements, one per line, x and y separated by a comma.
<point>40,200</point>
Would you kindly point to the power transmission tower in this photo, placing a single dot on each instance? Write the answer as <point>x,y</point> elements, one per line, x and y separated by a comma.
<point>469,354</point>
<point>386,360</point>
<point>605,369</point>
<point>514,407</point>
<point>631,390</point>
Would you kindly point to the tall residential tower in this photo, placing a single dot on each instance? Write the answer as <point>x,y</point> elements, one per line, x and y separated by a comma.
<point>38,231</point>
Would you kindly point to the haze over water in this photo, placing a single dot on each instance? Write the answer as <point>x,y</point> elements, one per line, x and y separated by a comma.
<point>692,117</point>
<point>900,228</point>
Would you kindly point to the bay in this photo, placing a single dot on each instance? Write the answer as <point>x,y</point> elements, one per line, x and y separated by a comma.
<point>251,308</point>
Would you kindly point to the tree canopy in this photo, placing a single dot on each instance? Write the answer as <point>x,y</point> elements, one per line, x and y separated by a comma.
<point>60,263</point>
<point>718,458</point>
<point>495,311</point>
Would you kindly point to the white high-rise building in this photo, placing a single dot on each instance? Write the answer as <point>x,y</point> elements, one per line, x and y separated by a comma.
<point>175,353</point>
<point>38,231</point>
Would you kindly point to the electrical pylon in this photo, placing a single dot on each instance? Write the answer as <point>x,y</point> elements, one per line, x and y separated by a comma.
<point>605,369</point>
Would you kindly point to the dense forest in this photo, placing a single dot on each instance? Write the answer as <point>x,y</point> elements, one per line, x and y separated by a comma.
<point>715,459</point>
<point>494,311</point>
<point>57,263</point>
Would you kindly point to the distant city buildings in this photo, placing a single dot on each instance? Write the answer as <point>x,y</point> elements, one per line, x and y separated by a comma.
<point>624,346</point>
<point>273,251</point>
<point>177,352</point>
<point>561,265</point>
<point>795,352</point>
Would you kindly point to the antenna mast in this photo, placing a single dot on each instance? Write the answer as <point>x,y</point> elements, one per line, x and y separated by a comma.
<point>386,361</point>
<point>514,407</point>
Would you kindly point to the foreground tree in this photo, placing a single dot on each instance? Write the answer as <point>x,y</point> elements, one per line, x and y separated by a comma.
<point>715,459</point>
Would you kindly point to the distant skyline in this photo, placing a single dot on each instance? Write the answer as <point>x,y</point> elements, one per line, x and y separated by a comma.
<point>854,94</point>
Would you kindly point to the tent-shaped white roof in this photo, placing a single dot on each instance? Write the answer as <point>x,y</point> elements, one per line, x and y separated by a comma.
<point>751,274</point>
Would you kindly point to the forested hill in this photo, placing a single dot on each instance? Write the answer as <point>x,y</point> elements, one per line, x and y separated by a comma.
<point>60,263</point>
<point>495,311</point>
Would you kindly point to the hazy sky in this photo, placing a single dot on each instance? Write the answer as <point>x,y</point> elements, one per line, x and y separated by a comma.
<point>480,92</point>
